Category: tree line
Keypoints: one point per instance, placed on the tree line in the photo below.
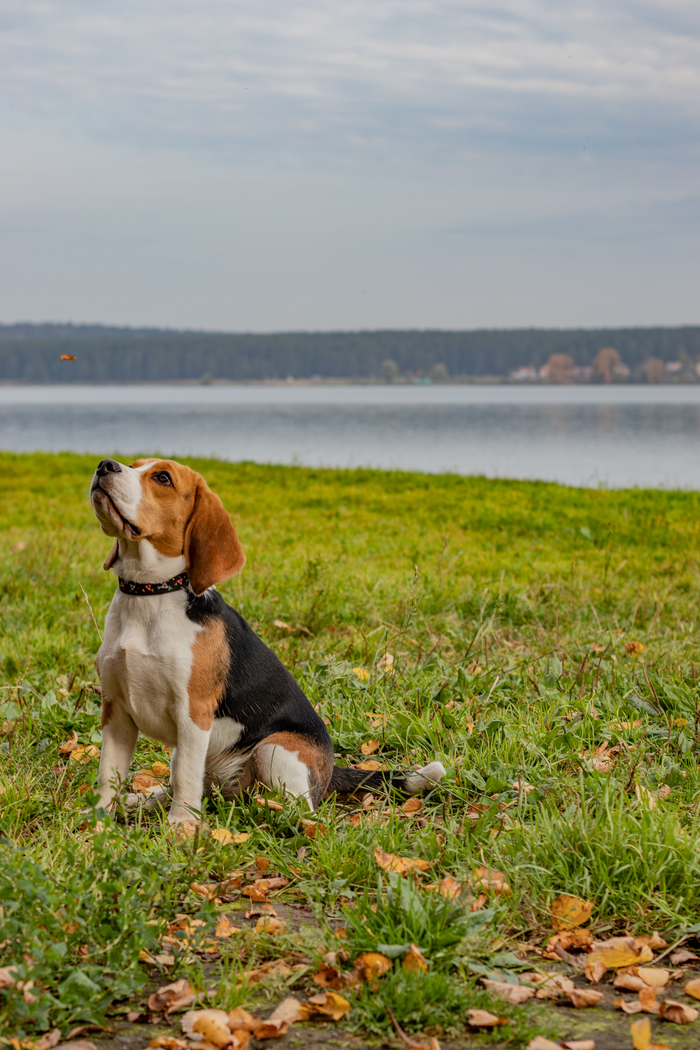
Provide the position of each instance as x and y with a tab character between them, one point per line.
32	353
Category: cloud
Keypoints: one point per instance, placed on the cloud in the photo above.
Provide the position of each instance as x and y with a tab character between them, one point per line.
356	75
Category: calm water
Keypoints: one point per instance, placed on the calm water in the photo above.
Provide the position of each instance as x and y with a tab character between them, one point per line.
647	436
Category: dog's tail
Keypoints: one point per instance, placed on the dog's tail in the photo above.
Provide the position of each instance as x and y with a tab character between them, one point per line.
349	781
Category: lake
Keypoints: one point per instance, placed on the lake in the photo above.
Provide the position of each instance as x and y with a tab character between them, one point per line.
579	435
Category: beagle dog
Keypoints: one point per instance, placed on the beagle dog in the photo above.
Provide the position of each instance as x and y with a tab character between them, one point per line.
180	665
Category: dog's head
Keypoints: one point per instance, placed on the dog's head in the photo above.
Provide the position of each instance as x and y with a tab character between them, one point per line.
172	507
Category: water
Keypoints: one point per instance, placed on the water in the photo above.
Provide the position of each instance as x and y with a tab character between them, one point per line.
617	436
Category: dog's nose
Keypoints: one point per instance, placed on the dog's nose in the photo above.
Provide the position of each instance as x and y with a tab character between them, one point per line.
108	466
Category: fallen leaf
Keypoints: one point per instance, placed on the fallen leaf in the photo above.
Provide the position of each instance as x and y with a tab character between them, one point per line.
645	796
578	1044
594	972
83	754
484	1019
655	941
327	1005
570	940
169	1042
627	725
693	988
282	625
225	928
568	911
629	982
412	805
372	965
641	1036
512	993
628	1006
647	997
69	745
414	961
681	956
369	747
239	1018
49	1040
276	1025
582	997
231	881
554	986
617	952
211	1025
171	997
223	836
208	890
370	766
633	648
76	1044
67	357
449	888
361	673
401	865
678	1013
270	925
312	828
654	976
330	976
270	803
144	781
492	881
540	1042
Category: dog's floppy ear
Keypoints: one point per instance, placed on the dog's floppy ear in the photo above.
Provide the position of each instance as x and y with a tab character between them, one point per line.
213	551
112	556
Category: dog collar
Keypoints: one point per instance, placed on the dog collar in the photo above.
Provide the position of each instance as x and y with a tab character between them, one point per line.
176	583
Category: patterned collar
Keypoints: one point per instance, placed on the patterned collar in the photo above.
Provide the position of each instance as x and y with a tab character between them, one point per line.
179	582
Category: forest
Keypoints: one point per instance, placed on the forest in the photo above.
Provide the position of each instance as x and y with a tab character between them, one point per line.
32	353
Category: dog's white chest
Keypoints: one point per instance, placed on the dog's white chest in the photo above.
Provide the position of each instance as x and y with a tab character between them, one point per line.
146	660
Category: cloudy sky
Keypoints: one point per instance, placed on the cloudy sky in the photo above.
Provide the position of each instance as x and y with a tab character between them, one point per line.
265	165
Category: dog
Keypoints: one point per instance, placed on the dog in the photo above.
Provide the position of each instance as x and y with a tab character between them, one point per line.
181	666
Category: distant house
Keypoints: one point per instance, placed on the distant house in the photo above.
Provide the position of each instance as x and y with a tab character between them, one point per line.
524	374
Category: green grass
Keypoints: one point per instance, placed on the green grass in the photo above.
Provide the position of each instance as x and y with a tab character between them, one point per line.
507	607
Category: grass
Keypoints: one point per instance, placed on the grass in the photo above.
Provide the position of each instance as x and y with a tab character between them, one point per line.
509	609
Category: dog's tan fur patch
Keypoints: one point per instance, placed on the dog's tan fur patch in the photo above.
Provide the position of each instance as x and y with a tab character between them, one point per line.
210	663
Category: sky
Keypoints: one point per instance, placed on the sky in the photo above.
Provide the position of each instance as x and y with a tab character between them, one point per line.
350	164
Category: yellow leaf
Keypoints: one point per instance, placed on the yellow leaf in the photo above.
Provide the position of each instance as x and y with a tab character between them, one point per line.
240	837
369	747
568	912
208	890
371	965
67	357
223	836
402	865
370	765
618	952
492	881
327	1005
361	672
484	1019
412	805
225	928
641	1033
143	781
633	648
269	924
414	961
210	1025
82	754
693	988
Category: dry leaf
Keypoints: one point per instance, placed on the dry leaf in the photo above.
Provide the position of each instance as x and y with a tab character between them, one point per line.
329	976
540	1042
412	805
629	982
633	648
645	796
654	976
369	747
655	941
693	988
682	956
594	972
372	965
269	924
211	1025
617	952
647	997
225	928
361	672
209	890
484	1019
554	986
326	1006
678	1013
628	1006
288	1012
240	1019
172	997
83	754
223	836
270	803
49	1040
169	1042
67	357
492	881
76	1044
582	997
512	993
578	1044
570	940
370	766
402	865
69	745
144	781
312	828
414	961
641	1036
240	837
568	912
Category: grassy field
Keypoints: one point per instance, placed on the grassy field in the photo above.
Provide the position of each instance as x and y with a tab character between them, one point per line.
510	629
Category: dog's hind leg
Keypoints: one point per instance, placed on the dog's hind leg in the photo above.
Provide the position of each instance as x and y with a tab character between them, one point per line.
299	765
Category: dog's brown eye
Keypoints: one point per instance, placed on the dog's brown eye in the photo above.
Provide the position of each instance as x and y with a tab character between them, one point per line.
163	478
